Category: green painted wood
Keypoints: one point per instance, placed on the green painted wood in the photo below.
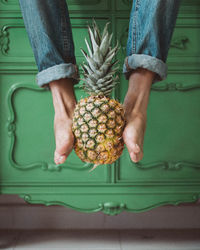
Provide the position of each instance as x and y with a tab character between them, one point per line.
170	170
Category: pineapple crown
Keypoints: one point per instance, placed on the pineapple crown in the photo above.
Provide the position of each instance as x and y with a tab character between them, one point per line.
99	74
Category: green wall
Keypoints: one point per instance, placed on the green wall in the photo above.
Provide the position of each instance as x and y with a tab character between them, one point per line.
170	170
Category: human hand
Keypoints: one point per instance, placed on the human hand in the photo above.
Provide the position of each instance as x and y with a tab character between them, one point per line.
133	135
135	105
64	102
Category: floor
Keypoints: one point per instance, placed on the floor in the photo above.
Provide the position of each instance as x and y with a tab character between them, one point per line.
101	239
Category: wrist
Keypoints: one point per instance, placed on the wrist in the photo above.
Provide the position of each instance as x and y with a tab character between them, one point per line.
136	99
63	86
63	95
140	80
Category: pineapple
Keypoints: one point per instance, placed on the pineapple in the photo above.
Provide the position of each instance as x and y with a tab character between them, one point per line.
98	120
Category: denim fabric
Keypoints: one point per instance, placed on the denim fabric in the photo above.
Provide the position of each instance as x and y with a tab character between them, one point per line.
48	26
150	30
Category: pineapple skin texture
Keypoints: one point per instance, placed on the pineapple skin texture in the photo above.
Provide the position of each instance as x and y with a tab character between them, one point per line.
98	124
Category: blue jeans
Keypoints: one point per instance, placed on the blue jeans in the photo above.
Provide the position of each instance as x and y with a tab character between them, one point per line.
48	26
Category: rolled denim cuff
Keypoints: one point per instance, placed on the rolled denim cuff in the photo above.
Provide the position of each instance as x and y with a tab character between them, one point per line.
56	72
145	61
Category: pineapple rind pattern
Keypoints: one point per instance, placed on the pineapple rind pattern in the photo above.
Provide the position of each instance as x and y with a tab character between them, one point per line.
102	143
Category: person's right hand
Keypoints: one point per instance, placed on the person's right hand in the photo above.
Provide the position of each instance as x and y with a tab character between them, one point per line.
135	105
64	102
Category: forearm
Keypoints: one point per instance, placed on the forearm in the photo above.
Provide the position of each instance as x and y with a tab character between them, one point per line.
64	98
137	97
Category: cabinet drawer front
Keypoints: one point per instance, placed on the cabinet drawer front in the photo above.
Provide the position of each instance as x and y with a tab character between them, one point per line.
27	137
172	139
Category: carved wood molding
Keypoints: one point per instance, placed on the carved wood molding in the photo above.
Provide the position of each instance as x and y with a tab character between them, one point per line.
4	40
110	208
174	87
168	165
4	1
113	208
85	2
4	37
179	42
11	127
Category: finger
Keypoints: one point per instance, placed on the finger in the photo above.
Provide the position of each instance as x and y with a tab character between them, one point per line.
134	157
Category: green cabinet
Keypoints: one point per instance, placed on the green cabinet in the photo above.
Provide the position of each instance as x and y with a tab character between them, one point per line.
170	170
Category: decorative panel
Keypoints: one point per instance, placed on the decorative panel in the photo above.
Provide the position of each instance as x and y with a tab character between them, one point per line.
172	137
31	140
14	42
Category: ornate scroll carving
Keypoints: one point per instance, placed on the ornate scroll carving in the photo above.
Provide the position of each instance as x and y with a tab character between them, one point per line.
4	40
179	42
11	126
174	87
9	2
4	1
112	208
115	208
4	37
168	165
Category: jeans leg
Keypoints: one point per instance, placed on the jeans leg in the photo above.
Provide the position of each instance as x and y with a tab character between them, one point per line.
150	30
48	26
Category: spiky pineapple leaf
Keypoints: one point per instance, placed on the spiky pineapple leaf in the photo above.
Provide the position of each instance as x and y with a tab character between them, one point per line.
92	39
88	47
105	45
105	30
97	34
99	71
